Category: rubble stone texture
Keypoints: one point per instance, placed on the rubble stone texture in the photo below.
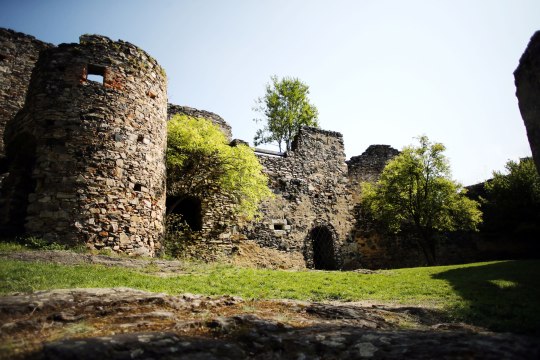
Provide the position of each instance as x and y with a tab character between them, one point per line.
368	166
86	158
527	79
18	55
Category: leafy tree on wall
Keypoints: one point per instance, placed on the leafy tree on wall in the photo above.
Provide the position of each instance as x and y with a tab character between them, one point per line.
200	162
415	191
286	109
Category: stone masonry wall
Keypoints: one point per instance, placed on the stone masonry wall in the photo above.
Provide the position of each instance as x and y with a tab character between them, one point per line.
18	55
196	113
96	171
311	192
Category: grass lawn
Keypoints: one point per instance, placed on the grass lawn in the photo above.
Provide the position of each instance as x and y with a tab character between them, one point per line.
503	296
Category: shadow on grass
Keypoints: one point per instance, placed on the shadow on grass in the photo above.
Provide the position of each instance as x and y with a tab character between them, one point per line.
502	296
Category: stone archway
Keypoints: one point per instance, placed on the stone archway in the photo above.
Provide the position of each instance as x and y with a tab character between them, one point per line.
189	207
322	242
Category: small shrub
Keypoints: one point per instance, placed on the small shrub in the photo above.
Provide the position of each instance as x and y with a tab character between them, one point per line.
178	239
37	243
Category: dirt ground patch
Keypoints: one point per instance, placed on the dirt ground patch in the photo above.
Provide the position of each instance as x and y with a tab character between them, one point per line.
250	254
153	266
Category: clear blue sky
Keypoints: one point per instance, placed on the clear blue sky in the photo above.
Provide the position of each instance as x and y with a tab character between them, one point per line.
380	72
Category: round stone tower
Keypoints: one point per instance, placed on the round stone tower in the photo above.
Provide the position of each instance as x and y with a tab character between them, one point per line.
87	152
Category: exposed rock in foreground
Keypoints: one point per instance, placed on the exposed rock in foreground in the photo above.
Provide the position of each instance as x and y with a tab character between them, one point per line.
124	323
527	78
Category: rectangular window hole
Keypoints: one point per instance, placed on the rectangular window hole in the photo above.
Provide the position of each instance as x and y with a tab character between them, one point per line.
95	78
96	73
137	187
279	226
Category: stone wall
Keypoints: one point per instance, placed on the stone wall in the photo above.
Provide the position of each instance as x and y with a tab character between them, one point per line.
86	158
196	113
212	212
311	211
18	55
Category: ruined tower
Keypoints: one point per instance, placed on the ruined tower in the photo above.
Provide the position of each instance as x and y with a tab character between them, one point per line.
86	153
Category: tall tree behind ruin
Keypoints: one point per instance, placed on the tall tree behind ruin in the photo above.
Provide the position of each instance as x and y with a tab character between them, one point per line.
286	109
415	191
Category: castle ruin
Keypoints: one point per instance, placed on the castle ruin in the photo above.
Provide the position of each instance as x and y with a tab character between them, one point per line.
83	161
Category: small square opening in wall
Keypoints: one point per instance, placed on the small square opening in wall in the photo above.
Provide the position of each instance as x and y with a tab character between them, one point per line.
96	73
279	226
137	187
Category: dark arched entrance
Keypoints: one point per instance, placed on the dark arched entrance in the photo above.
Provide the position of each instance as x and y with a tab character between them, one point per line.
18	185
323	248
189	207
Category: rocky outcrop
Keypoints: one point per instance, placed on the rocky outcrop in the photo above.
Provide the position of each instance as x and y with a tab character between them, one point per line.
123	323
527	78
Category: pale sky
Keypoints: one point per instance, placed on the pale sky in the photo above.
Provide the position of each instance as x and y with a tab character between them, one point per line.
379	72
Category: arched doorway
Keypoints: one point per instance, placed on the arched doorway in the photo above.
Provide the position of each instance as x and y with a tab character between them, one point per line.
18	185
189	207
323	248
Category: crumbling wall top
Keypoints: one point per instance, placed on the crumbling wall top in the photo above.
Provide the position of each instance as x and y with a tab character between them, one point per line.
368	166
173	109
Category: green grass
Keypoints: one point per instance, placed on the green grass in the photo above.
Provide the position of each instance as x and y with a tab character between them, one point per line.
503	296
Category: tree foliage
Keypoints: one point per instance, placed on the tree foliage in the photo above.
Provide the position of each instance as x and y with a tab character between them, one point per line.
415	191
286	109
513	198
200	162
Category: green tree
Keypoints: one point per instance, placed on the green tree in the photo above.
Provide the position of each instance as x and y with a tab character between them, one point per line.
415	192
286	109
512	201
200	162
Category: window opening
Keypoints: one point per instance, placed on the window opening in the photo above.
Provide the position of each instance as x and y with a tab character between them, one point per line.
96	73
